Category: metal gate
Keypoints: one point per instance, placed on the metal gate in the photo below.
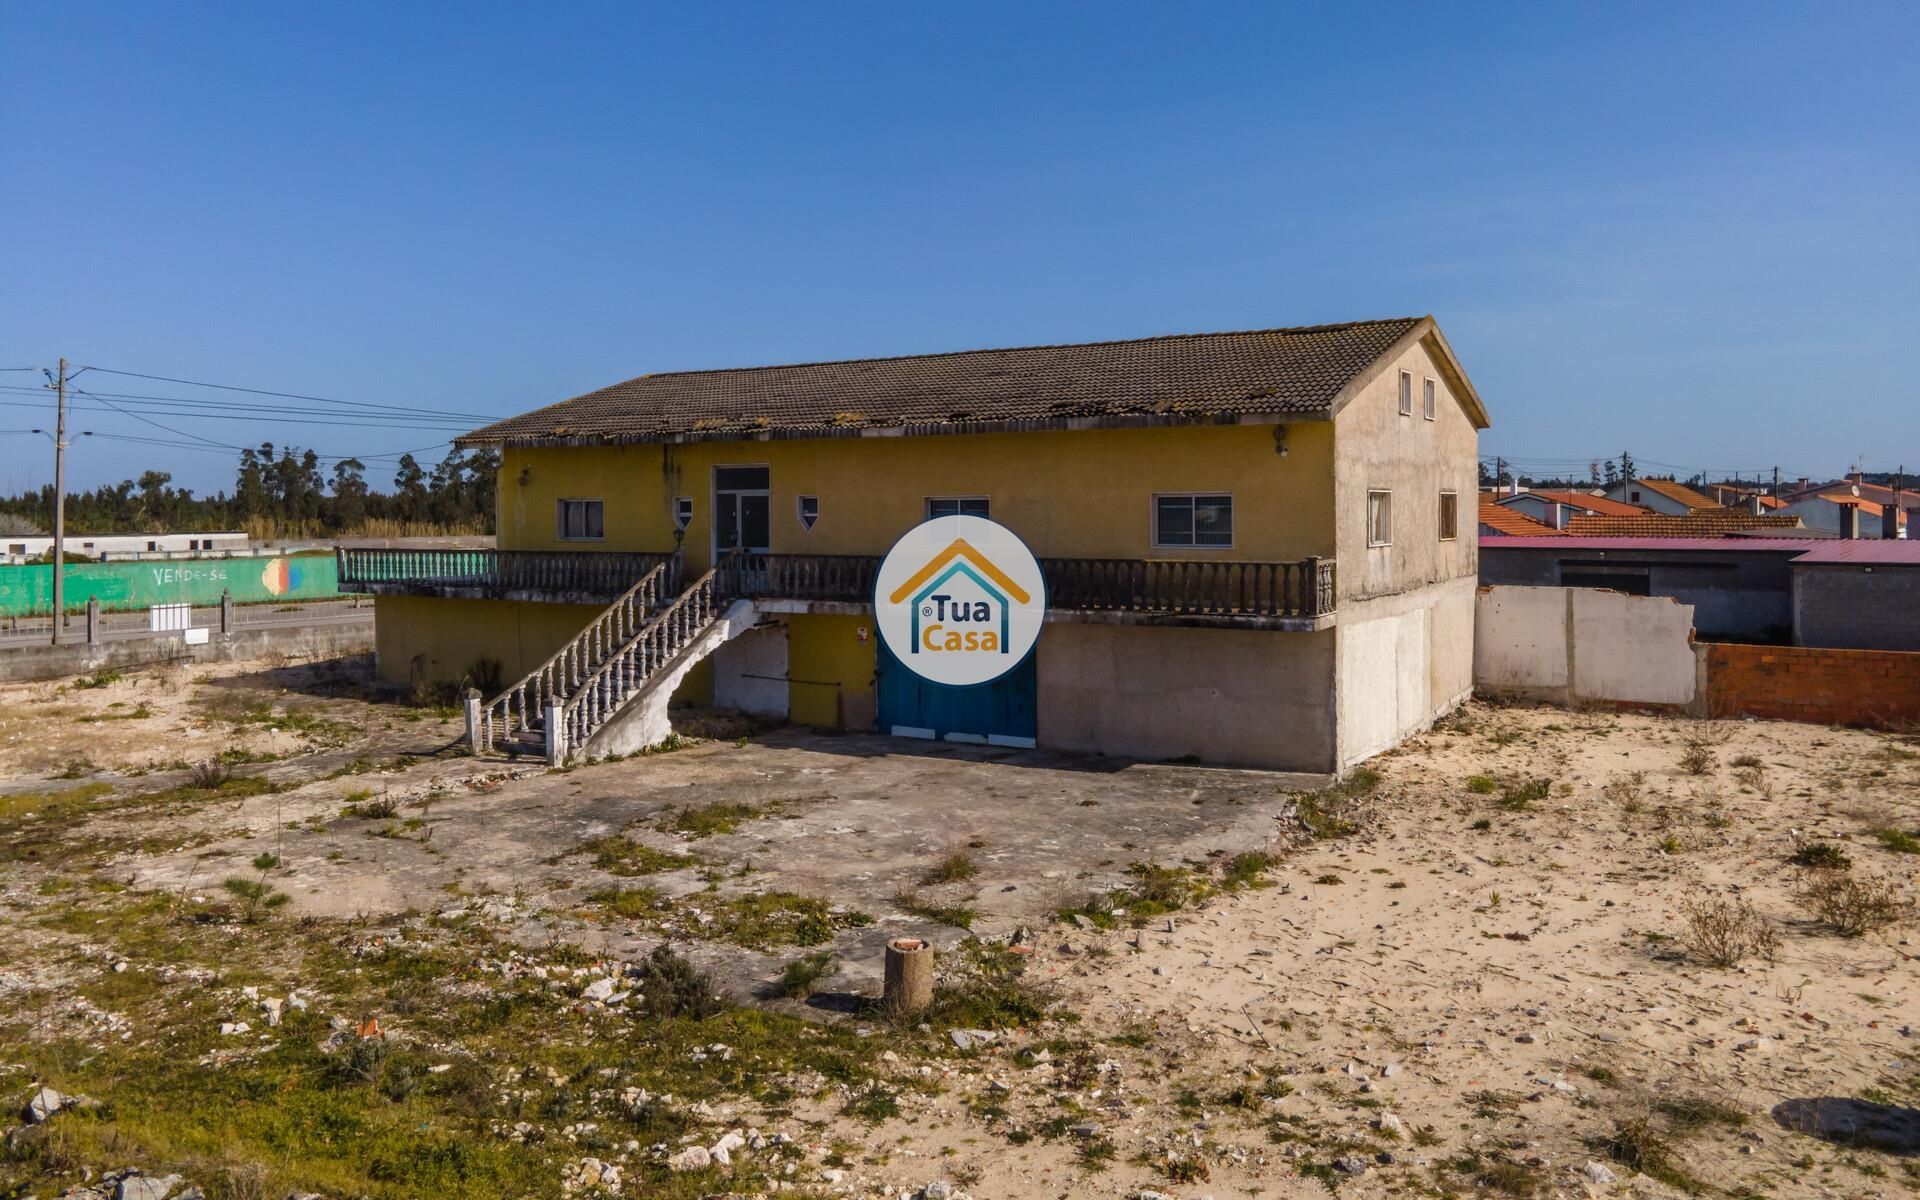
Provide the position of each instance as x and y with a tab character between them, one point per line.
1001	713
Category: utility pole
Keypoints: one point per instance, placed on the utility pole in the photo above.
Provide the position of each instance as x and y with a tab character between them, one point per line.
60	503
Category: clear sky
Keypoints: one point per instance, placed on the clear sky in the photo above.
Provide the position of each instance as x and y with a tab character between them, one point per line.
1685	230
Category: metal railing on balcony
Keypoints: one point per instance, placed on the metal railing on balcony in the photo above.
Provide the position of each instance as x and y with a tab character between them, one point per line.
1166	587
584	573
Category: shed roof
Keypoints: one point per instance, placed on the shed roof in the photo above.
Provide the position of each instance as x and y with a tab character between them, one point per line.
1183	379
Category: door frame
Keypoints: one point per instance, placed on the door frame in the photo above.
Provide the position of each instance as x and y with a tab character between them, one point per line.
713	494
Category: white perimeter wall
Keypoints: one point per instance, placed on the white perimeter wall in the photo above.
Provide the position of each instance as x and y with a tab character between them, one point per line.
1572	644
1403	660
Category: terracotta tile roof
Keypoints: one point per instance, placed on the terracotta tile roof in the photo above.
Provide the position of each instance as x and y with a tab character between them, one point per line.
1680	493
1718	522
1866	506
1508	523
1596	504
1772	502
1186	378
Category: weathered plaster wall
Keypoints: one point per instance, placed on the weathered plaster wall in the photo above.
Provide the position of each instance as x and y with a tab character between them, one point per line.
1404	660
832	670
1416	459
436	639
750	673
1227	697
1069	494
1585	644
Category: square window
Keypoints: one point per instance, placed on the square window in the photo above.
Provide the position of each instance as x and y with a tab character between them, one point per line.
1426	398
1379	518
1203	521
956	506
809	511
1449	516
582	520
1406	393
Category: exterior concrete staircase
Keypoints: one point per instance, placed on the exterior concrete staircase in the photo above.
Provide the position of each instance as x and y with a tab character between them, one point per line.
606	691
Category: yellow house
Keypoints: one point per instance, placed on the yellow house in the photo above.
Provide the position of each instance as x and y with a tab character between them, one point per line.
1253	547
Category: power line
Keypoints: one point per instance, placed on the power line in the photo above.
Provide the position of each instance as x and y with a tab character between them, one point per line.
227	387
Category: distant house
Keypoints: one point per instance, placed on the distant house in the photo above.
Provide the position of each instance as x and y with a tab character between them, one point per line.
1843	514
1662	495
1551	507
1501	520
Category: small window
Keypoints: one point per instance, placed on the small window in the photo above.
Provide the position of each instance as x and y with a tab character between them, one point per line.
1426	398
956	506
1406	393
682	511
1204	521
1379	518
582	520
1449	516
1636	497
809	511
153	545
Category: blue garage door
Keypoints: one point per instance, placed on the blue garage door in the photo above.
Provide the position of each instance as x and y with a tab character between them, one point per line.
1001	712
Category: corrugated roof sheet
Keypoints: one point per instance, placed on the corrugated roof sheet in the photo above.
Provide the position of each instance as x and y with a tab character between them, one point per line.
1189	377
1866	551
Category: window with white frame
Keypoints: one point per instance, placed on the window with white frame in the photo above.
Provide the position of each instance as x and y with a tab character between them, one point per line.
1426	398
1379	518
582	520
1449	516
956	506
682	511
1406	393
809	511
1193	521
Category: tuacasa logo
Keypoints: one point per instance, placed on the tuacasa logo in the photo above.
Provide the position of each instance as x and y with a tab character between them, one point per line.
960	600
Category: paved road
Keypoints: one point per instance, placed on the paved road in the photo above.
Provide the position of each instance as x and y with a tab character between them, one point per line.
121	627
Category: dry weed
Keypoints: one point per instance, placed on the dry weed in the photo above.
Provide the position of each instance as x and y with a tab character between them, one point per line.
1724	931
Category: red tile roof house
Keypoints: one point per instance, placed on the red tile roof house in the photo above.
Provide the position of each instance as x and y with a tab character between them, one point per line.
1841	513
1662	496
1551	507
1497	520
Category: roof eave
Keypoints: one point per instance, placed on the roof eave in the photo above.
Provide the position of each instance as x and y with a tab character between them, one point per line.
479	438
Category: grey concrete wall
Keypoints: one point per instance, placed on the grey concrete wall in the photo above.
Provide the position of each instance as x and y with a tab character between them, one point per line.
293	641
1848	607
1743	595
1250	698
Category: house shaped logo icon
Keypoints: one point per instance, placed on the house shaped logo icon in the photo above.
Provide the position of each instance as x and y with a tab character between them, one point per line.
960	600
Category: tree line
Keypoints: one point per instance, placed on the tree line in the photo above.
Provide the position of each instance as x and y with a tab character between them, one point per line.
281	491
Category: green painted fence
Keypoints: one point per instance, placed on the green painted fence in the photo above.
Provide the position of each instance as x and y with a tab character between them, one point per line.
28	590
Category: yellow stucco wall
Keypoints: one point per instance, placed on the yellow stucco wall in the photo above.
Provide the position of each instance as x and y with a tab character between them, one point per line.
831	670
445	636
1082	493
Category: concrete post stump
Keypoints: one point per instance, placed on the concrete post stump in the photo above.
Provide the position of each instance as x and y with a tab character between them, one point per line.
474	718
908	987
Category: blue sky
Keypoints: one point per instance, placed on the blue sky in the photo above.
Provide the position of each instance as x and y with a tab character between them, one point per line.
1684	231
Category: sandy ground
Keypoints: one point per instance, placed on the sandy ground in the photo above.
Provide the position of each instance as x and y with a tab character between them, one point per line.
1469	994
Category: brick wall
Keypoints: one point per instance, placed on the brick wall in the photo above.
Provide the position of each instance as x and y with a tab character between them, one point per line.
1876	688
